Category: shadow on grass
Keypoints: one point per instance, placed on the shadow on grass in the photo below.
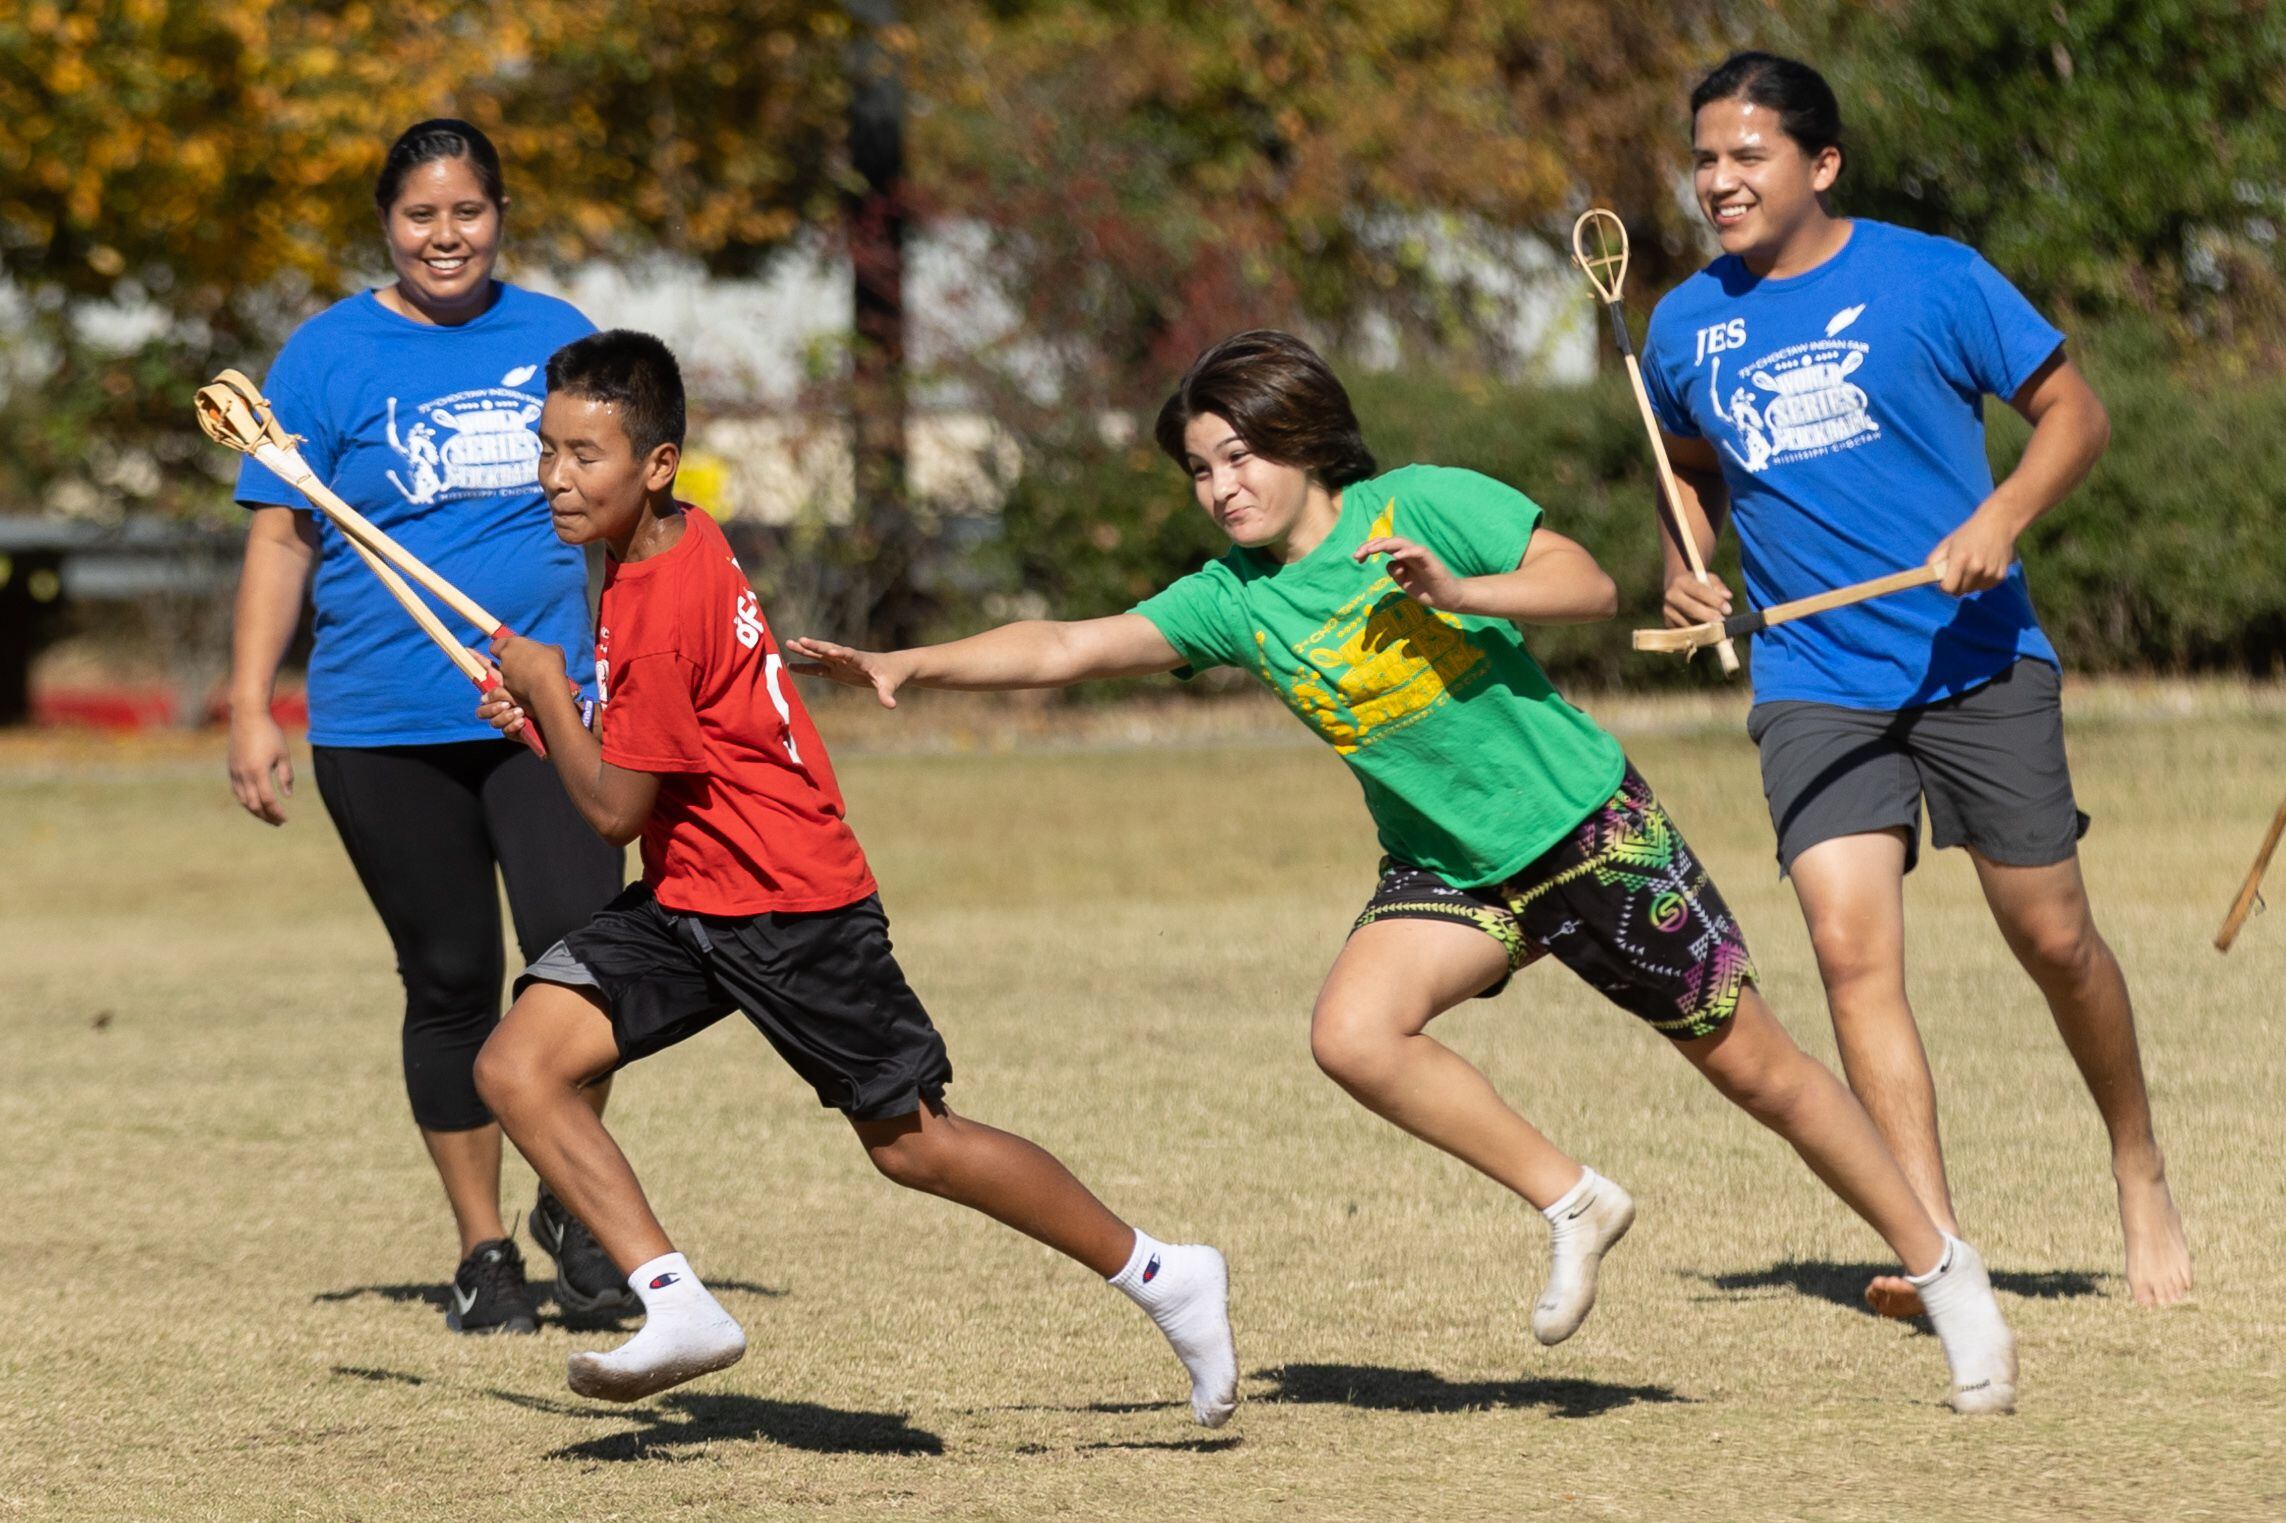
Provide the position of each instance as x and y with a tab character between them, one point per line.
1844	1283
379	1377
1177	1445
402	1295
543	1293
690	1418
1388	1390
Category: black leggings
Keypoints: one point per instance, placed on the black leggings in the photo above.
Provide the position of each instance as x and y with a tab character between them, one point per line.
425	827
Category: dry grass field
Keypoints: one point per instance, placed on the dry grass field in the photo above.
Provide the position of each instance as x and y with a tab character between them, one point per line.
227	1248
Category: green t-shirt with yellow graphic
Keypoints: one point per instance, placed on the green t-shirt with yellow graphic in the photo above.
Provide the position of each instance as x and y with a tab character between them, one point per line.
1472	764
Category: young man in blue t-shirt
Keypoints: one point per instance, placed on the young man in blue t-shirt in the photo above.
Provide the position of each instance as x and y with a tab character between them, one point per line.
1823	382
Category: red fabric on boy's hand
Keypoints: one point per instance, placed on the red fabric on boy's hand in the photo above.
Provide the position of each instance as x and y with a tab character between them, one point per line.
526	666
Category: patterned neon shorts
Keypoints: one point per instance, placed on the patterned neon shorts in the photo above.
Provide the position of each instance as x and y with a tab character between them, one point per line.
1622	901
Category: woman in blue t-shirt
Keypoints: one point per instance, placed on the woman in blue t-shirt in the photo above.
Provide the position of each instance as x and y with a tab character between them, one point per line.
416	402
1824	382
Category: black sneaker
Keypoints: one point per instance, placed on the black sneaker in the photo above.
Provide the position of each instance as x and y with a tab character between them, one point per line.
588	1284
487	1293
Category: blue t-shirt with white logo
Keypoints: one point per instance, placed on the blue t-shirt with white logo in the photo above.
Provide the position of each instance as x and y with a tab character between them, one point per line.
1847	406
432	433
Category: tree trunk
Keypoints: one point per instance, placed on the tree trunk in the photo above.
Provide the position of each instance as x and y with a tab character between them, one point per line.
887	541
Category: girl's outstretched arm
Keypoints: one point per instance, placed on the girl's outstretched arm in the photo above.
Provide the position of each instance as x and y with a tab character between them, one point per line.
1557	582
1033	653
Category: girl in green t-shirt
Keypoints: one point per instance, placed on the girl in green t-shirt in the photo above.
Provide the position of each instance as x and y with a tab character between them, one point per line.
1387	611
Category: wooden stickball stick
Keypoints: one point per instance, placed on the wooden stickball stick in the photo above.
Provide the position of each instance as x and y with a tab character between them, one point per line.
1691	636
233	411
1606	269
2251	889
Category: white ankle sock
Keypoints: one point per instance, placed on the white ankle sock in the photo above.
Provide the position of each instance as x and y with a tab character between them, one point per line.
685	1334
1185	1288
1979	1348
1582	1226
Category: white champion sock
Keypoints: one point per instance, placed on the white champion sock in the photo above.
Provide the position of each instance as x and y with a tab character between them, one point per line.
1979	1348
685	1334
1591	1216
1185	1288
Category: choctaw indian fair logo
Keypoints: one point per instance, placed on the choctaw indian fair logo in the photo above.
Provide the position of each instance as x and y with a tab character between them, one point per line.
469	444
1802	403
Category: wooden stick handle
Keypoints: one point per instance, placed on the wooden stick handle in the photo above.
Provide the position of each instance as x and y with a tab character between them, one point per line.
472	666
2248	891
1725	652
1842	597
290	465
1755	620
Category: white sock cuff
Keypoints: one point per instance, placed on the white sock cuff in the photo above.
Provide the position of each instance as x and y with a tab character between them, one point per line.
1925	1280
641	1281
1147	1248
1589	1178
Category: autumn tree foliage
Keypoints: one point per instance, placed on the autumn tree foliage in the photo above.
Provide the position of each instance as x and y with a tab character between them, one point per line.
209	167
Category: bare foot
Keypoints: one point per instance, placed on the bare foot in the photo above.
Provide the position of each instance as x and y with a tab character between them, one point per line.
2158	1256
1892	1295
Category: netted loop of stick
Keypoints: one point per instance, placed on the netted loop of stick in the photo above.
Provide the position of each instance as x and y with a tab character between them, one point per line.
233	411
1599	248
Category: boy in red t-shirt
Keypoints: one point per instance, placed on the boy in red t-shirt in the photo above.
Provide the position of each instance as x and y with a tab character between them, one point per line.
755	897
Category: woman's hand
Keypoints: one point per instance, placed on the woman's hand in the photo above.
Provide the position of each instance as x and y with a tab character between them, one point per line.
502	713
261	766
882	671
1417	572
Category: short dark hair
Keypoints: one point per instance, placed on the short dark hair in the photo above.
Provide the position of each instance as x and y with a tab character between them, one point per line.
631	370
1805	103
1281	398
440	137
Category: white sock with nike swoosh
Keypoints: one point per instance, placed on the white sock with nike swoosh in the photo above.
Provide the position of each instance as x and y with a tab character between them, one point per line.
1582	1225
1979	1348
685	1334
1185	1288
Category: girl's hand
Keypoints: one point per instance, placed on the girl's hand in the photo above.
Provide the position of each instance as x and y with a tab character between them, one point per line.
1417	572
884	672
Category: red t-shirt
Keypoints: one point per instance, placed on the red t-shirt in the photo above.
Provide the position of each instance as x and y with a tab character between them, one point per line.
749	817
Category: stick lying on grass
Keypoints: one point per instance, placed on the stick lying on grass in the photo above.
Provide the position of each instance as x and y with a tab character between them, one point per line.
1692	636
233	411
2250	892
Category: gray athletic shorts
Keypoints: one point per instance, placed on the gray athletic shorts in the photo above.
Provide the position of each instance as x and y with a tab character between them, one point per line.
1990	762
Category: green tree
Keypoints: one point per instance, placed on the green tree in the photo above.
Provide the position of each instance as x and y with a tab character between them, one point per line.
2109	155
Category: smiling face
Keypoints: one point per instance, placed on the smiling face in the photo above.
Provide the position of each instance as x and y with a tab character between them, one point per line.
1254	500
596	485
444	235
1755	184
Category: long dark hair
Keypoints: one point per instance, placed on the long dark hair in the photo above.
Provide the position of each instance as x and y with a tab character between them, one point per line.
1281	398
441	137
1799	94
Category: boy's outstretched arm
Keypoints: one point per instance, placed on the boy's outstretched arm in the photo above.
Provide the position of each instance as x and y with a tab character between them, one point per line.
1033	653
1557	582
613	800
